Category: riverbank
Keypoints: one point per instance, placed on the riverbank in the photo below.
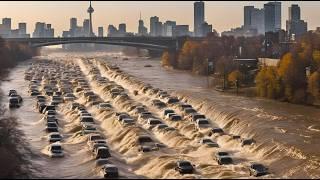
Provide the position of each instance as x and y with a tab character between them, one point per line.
13	160
13	146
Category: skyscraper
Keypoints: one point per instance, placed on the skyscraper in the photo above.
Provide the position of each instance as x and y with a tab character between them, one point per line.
100	31
198	17
206	28
294	12
181	30
153	25
73	23
257	20
22	28
159	29
112	31
248	11
295	26
49	32
272	16
43	30
142	30
7	25
39	30
278	23
7	22
168	28
86	27
122	28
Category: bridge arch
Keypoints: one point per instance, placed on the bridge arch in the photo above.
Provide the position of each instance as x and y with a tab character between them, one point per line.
147	46
145	42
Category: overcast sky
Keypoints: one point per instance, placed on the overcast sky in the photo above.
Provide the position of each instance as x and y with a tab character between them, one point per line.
223	15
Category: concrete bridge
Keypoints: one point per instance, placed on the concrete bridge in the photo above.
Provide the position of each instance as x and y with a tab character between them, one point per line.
149	43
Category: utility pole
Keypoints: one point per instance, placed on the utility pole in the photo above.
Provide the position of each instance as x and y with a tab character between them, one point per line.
224	77
237	85
208	72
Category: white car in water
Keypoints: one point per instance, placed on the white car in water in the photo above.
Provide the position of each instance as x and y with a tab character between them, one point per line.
55	150
202	123
54	137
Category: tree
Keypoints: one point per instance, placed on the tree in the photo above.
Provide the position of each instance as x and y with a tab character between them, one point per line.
268	83
315	64
314	85
185	59
292	71
224	65
235	76
168	59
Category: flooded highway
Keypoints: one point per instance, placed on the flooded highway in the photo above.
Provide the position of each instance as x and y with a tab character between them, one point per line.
282	137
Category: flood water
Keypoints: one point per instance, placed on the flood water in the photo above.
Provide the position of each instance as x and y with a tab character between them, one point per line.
286	136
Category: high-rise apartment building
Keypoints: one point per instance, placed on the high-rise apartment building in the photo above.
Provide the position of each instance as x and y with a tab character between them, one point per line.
198	18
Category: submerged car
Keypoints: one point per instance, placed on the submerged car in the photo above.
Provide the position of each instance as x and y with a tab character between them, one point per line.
110	171
55	150
12	91
145	149
166	111
102	152
175	117
69	97
127	122
209	142
52	127
50	113
17	96
245	142
145	115
86	119
94	145
88	128
257	169
195	116
218	131
223	158
104	106
14	102
184	167
152	122
54	137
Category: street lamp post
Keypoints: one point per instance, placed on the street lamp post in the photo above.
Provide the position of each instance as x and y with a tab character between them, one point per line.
207	72
224	77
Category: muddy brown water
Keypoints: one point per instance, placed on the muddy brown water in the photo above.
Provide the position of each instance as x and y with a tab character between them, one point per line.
286	135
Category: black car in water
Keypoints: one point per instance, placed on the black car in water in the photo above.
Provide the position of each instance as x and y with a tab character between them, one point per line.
184	167
110	171
14	102
257	169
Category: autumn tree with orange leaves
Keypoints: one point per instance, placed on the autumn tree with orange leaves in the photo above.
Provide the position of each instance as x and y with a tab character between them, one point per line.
289	80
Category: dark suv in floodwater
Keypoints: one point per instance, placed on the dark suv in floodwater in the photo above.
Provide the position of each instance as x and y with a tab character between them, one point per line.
184	167
257	169
14	102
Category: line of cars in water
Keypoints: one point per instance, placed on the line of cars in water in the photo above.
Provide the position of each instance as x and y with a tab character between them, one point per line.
163	101
55	81
72	81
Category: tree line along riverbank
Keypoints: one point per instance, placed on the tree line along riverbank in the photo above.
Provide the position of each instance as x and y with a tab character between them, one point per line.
295	79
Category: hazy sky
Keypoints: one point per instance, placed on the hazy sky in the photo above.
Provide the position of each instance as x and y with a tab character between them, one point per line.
223	15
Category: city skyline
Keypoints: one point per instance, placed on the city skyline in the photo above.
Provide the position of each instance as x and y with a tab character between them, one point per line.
100	17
